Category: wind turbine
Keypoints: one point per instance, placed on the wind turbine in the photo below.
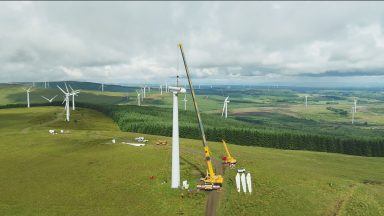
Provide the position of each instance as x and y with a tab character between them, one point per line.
355	105
66	100
45	84
49	100
175	138
138	98
306	101
73	93
185	101
225	107
143	89
28	90
102	87
353	115
161	89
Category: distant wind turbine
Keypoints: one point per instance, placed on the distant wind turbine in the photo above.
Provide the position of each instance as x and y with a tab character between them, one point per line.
185	101
225	108
144	91
66	101
138	98
28	91
49	100
73	93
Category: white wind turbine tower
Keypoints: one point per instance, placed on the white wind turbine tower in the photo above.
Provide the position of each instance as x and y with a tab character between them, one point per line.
45	84
306	101
175	137
49	100
185	101
143	89
28	90
355	105
353	115
66	100
225	107
161	89
166	87
102	87
73	93
138	98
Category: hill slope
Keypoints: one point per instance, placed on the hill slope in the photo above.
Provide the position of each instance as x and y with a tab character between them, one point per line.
82	173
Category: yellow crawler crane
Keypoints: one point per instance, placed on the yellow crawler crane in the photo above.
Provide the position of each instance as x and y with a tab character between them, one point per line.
228	160
211	181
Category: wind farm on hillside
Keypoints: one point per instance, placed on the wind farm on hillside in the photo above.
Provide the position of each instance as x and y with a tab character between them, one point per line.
168	108
267	116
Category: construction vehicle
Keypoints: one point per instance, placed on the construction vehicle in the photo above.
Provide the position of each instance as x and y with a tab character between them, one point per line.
228	160
211	181
161	142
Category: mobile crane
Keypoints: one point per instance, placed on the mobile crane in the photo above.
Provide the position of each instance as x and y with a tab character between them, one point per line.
228	160
211	181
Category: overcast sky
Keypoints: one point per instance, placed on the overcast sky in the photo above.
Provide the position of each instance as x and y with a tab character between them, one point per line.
331	43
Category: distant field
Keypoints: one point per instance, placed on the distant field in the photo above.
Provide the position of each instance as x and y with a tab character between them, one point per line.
82	173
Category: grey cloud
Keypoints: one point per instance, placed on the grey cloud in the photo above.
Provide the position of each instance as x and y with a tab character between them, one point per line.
136	41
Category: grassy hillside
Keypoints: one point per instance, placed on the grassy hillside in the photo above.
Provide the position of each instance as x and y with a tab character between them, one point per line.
82	173
14	94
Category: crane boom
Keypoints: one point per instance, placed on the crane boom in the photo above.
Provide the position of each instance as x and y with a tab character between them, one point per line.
228	160
226	148
193	97
212	181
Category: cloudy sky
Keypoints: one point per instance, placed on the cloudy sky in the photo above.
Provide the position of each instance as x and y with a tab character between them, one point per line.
307	43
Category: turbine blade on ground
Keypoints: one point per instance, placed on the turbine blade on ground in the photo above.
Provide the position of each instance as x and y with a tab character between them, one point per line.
238	182
249	182
243	182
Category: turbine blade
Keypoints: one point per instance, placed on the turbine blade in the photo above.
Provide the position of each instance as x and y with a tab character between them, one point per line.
62	90
45	98
71	88
54	97
66	87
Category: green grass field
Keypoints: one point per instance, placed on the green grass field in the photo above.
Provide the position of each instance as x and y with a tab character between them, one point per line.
82	173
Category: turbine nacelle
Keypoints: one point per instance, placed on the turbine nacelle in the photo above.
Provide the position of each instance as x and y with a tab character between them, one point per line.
177	89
